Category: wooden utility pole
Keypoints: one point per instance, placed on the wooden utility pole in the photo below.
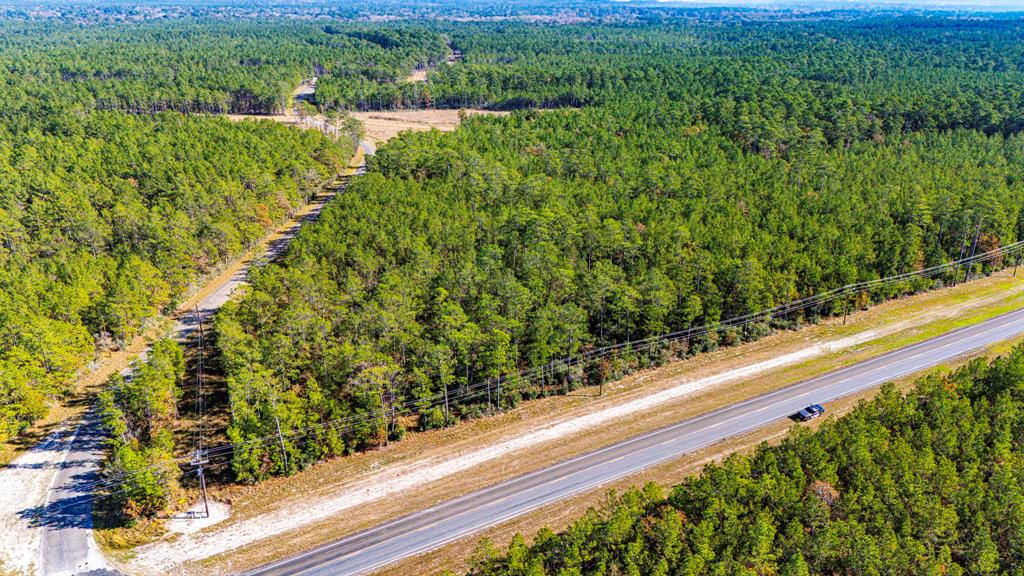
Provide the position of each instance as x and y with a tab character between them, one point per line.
974	248
198	459
198	440
280	437
392	400
445	386
383	417
959	260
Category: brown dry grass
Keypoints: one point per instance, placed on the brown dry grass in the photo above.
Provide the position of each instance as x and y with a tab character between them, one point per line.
419	75
457	556
383	126
963	304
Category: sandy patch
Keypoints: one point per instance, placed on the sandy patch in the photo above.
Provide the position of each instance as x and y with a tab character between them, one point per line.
383	126
26	482
419	75
194	519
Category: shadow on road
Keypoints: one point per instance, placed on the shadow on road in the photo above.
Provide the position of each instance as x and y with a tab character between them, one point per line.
70	505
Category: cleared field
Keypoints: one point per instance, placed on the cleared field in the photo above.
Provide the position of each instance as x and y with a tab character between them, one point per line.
431	467
383	126
419	75
379	127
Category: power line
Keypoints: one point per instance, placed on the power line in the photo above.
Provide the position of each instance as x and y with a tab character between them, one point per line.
541	371
199	456
637	345
224	451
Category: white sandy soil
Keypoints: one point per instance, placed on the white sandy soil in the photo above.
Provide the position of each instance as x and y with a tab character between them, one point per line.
394	480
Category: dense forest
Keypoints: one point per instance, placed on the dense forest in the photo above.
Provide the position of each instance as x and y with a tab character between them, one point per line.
110	213
927	483
768	84
703	171
514	241
111	219
239	66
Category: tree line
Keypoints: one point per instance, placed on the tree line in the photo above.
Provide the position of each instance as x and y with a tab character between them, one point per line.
195	65
924	483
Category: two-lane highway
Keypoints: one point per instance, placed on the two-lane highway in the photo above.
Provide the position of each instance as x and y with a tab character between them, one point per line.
375	548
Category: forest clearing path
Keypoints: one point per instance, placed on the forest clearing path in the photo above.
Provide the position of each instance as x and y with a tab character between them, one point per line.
46	495
379	125
420	74
354	493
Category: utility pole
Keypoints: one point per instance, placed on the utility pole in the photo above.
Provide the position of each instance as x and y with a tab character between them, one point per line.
199	385
846	312
445	386
974	248
959	260
280	437
383	411
199	456
198	459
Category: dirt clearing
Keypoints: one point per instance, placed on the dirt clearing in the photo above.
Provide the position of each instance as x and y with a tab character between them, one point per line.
383	126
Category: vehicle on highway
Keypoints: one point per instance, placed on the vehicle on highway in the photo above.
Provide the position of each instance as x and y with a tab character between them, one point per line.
810	413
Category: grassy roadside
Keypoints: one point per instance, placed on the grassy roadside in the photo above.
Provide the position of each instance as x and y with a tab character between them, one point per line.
458	556
905	321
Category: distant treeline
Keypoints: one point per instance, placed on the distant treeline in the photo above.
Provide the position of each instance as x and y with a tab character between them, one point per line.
766	84
234	66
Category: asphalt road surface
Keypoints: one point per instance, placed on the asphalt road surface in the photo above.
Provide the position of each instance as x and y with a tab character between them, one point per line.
66	543
66	519
375	548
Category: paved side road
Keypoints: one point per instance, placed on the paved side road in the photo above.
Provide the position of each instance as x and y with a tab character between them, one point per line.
373	549
66	520
66	545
